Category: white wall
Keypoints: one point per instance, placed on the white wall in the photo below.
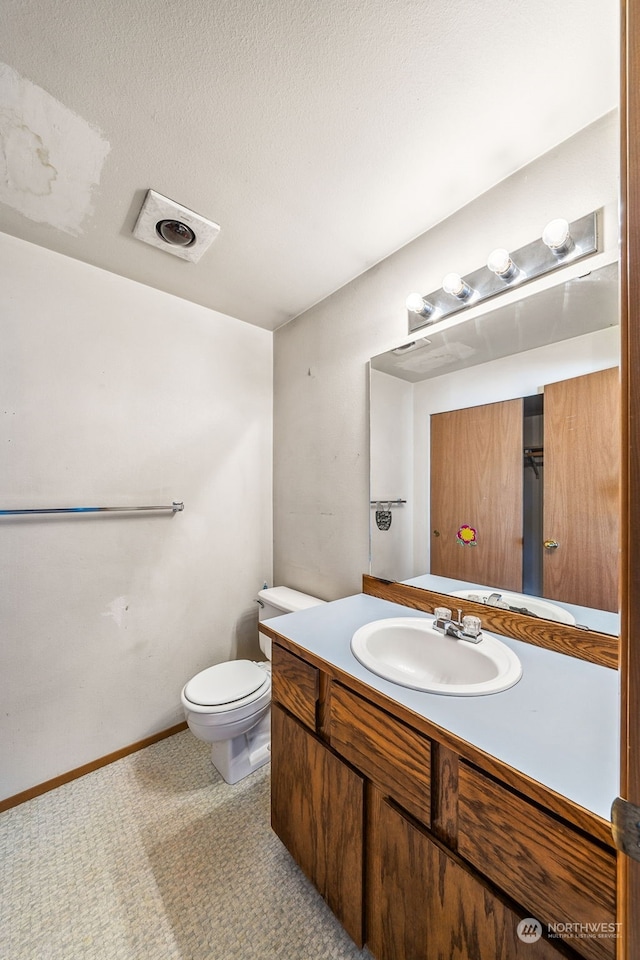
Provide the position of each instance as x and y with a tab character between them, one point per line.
114	393
392	439
321	456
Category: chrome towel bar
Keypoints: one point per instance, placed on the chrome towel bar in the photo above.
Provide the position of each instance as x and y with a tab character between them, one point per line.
175	507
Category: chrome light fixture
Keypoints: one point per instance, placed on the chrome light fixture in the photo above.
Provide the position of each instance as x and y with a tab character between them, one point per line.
561	243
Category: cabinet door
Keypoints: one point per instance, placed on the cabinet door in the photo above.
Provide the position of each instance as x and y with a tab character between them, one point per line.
476	481
563	877
423	905
581	489
317	810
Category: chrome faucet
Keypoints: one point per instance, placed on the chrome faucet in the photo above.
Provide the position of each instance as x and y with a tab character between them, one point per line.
456	628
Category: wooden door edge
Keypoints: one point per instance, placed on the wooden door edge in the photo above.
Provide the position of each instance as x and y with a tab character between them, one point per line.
629	870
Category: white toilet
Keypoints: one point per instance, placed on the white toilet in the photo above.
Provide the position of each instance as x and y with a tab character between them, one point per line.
228	705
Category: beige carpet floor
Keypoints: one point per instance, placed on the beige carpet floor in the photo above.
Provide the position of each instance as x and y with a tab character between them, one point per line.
155	857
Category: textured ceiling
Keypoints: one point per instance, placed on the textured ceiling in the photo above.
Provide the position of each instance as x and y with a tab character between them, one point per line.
321	135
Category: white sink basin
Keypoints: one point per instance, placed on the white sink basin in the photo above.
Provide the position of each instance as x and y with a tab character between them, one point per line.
408	651
520	602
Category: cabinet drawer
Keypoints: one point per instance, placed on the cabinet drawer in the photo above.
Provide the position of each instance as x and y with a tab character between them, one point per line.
394	757
554	871
294	684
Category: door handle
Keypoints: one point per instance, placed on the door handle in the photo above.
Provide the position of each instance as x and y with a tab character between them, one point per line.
551	544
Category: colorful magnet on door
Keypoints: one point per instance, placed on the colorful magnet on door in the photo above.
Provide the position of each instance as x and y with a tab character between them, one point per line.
467	536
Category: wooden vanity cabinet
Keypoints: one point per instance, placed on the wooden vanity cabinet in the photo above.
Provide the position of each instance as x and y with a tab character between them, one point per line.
420	854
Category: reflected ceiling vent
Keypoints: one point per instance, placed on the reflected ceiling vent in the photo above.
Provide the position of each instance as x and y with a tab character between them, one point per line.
174	228
408	347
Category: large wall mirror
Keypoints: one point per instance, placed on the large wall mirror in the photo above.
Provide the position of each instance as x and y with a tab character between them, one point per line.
494	456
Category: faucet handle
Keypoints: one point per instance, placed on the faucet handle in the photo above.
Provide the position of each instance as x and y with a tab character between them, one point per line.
471	626
442	613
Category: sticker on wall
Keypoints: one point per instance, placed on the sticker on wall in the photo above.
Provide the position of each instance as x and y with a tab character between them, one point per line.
383	519
467	536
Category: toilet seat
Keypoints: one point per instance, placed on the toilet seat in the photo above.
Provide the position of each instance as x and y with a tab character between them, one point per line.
227	686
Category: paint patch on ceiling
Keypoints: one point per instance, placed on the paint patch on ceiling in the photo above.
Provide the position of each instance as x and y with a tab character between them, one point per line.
50	158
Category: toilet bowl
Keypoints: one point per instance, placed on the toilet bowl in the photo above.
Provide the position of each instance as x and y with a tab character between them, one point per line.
229	705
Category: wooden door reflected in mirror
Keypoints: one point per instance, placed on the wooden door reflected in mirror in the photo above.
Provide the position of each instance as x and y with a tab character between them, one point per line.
476	494
582	489
480	508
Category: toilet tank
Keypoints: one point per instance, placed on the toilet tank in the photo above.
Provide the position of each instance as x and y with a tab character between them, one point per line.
276	601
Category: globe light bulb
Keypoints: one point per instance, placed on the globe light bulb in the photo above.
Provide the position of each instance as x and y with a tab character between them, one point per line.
454	285
499	262
557	236
416	303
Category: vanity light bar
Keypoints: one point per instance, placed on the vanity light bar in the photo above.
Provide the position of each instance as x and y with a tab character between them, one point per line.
561	243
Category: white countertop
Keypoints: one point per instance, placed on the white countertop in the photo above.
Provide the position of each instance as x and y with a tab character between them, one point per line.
558	725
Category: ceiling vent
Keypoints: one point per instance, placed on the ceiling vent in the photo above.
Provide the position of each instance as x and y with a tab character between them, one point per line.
173	228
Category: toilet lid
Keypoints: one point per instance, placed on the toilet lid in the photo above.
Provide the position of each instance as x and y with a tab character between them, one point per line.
225	683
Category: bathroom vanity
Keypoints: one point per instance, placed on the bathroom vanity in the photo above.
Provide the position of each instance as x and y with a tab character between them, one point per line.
433	825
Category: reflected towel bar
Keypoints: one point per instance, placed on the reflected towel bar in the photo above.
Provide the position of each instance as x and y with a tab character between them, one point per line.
175	507
391	503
